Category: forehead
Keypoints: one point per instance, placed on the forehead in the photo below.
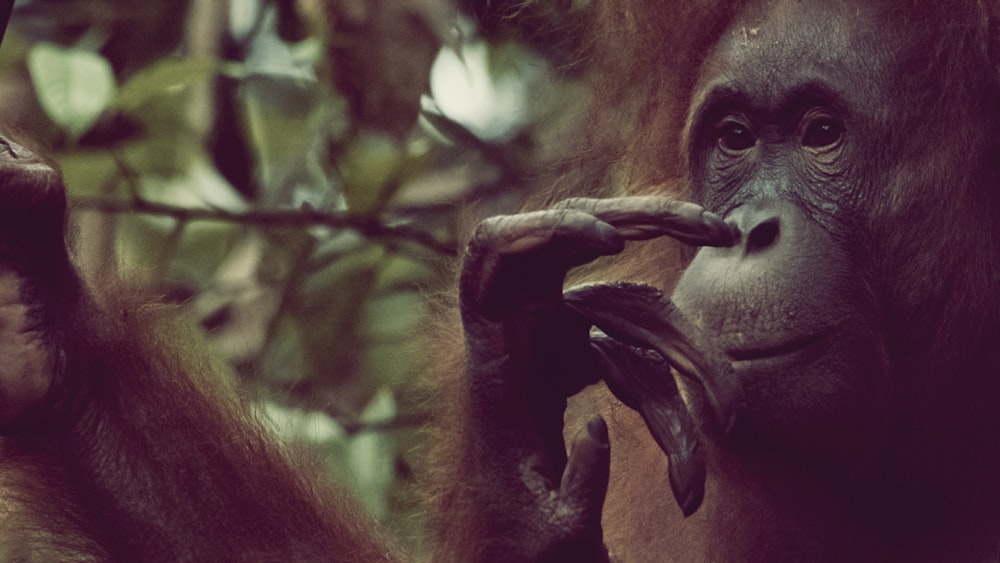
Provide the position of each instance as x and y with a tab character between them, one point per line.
775	47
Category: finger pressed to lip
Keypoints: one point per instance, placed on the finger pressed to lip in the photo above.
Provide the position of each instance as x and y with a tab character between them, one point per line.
639	315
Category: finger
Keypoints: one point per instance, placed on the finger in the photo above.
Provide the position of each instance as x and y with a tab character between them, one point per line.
687	464
525	257
645	217
526	351
639	315
585	479
641	379
615	357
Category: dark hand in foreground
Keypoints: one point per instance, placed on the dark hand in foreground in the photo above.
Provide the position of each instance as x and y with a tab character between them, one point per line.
529	348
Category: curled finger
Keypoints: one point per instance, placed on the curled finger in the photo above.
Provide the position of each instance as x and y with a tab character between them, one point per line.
526	256
642	380
639	315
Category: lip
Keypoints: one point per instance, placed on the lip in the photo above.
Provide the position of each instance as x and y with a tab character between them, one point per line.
799	350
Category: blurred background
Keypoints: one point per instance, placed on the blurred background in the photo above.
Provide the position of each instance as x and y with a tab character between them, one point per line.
296	174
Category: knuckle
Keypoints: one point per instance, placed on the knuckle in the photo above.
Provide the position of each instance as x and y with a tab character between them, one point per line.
584	204
486	232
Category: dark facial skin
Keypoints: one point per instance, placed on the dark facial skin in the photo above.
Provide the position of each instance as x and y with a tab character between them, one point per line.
781	150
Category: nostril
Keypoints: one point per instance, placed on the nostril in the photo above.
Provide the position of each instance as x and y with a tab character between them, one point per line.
763	235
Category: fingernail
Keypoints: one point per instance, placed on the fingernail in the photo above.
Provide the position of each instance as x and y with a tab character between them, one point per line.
598	430
608	234
722	233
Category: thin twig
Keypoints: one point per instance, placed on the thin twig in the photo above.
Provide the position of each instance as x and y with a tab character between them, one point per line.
370	228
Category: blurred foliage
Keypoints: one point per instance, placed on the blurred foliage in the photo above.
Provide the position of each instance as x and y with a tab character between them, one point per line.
292	172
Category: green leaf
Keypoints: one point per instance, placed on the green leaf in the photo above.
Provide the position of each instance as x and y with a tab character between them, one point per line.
200	185
381	408
401	271
392	327
90	173
163	153
369	167
370	460
73	85
166	77
371	456
296	424
138	240
328	309
203	246
283	129
396	316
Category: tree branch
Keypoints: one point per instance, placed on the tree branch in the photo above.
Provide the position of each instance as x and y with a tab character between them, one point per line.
370	228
